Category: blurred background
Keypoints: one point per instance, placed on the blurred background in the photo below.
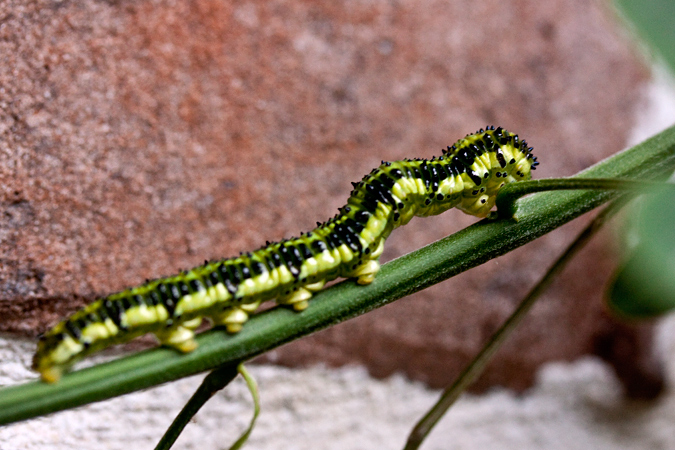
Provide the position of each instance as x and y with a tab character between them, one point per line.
142	137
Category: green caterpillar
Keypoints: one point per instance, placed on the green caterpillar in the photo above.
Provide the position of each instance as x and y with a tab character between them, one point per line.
468	175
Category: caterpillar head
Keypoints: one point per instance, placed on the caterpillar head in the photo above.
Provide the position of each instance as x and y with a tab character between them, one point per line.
478	205
479	199
523	168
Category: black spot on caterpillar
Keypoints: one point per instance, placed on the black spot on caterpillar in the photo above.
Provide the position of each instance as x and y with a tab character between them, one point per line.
468	176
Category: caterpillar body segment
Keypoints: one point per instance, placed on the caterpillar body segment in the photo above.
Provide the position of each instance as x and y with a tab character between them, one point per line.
468	175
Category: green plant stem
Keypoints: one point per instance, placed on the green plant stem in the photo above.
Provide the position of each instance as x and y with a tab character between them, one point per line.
212	383
506	200
476	367
537	215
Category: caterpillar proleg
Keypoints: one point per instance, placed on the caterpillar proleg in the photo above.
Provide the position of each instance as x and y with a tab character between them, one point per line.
468	175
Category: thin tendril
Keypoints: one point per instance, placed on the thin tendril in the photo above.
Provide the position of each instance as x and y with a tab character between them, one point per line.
212	383
476	367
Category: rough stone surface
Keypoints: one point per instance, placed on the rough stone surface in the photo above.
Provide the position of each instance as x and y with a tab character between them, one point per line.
577	405
141	137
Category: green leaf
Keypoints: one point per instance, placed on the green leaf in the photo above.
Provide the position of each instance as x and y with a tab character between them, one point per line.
645	286
654	21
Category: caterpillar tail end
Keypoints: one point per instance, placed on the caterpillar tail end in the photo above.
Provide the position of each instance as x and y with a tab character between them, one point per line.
55	353
49	369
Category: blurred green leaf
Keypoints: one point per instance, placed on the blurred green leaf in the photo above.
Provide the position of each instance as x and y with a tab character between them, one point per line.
645	286
654	21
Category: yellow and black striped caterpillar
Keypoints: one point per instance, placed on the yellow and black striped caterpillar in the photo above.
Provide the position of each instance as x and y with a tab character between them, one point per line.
468	175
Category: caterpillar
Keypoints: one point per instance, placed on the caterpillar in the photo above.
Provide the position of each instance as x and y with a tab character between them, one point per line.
468	175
